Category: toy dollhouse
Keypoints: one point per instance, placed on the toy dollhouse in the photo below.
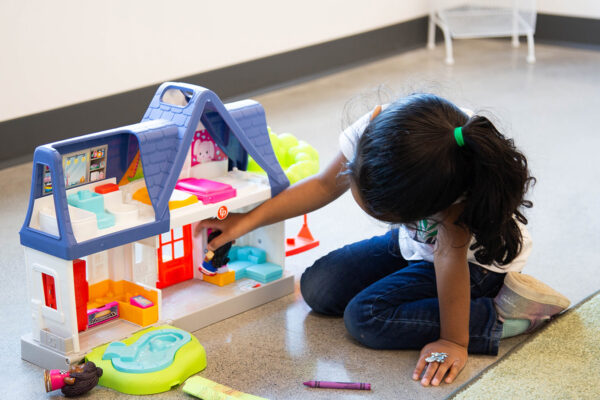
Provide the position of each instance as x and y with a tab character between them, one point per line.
108	236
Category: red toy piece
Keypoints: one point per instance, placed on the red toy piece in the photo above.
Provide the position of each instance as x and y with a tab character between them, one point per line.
49	290
302	242
82	294
106	188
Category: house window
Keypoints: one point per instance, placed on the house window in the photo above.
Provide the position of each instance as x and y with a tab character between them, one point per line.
171	244
49	290
46	181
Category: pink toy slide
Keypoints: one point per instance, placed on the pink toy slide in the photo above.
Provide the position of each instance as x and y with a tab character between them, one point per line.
207	191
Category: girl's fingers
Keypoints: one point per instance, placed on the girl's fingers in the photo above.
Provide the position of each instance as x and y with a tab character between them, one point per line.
429	373
205	223
439	375
217	242
453	372
210	223
419	368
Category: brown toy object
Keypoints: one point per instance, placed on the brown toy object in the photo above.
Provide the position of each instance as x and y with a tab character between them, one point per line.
82	378
79	379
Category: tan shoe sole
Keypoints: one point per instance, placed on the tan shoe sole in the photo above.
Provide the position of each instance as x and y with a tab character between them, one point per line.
532	289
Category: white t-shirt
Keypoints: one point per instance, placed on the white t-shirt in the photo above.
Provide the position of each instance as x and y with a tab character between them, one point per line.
418	243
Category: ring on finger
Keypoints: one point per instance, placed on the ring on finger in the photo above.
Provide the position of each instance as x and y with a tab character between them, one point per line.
436	357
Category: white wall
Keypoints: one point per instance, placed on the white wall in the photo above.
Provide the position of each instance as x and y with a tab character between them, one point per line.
62	52
574	8
56	53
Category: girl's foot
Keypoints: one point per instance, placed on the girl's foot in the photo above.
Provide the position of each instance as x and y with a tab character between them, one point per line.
524	297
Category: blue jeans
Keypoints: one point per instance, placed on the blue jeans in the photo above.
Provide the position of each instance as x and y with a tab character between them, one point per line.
390	303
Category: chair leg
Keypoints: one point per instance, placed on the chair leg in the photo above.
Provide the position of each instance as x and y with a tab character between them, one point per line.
448	40
431	32
530	48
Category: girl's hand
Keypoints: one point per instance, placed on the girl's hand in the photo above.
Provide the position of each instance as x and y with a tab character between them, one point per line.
232	227
434	372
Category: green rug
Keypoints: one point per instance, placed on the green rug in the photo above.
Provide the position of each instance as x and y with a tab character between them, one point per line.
561	361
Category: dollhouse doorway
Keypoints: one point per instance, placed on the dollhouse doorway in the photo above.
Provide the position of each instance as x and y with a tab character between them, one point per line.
175	260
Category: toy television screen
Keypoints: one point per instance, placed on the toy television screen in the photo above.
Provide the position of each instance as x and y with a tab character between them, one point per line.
85	166
76	169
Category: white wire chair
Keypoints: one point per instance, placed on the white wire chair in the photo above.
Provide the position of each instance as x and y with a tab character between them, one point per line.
482	18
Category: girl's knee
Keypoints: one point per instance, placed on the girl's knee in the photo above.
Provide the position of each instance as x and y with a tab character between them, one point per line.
372	327
308	290
315	287
359	323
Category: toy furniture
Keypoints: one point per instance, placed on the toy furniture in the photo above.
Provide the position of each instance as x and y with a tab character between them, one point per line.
251	262
106	202
207	191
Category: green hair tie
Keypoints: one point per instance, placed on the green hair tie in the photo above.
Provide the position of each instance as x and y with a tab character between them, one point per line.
458	136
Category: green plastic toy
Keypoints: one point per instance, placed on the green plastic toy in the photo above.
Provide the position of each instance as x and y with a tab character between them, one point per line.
206	389
149	350
297	158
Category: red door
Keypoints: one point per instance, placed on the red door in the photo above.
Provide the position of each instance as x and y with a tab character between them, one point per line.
82	294
175	260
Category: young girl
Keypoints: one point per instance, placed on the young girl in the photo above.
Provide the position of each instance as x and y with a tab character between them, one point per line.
445	280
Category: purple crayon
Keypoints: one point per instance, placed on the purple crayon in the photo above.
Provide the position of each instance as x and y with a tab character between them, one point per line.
338	385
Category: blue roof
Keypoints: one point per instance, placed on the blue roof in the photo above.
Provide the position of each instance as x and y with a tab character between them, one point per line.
164	137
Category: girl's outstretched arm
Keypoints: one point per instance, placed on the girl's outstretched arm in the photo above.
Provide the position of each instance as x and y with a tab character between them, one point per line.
305	196
454	294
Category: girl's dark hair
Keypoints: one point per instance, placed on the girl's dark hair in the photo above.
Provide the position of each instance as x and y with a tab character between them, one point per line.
408	166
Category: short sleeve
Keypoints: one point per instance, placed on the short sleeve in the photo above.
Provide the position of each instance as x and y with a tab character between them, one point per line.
349	136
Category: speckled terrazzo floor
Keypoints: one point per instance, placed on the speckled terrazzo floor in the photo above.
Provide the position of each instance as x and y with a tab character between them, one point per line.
550	108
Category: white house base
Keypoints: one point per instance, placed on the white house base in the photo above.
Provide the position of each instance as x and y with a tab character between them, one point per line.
219	308
207	304
44	357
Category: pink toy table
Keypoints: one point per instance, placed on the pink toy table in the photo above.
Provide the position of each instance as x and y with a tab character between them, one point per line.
207	191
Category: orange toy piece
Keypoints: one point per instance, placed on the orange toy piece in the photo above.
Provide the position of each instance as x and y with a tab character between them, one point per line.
121	291
181	199
141	195
178	198
220	279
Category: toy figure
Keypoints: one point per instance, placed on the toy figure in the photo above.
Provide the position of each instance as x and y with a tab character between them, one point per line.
79	379
215	260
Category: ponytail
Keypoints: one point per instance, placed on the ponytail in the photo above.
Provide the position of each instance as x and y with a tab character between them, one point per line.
499	179
411	163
